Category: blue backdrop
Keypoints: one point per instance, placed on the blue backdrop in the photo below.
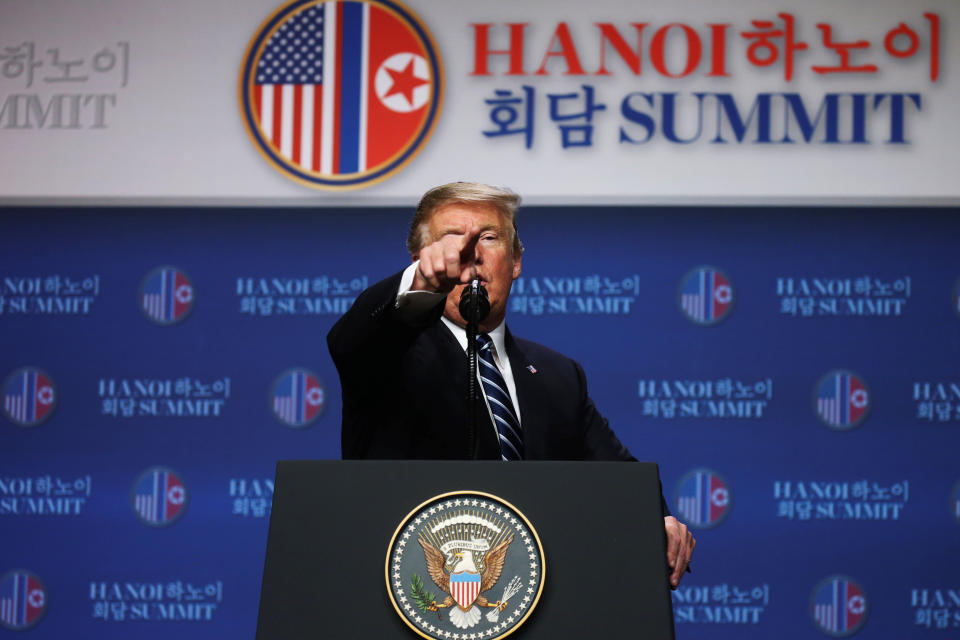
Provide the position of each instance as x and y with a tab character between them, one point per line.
806	420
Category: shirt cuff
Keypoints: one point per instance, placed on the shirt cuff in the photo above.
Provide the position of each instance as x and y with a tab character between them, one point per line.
414	305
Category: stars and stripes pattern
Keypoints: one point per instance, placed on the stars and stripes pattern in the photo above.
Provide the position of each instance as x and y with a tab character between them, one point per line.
464	588
298	398
842	399
28	397
159	496
702	498
839	606
321	83
498	401
706	295
167	295
22	600
289	93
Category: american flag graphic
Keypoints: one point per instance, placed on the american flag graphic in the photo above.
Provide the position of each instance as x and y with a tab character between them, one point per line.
706	295
341	89
167	295
298	398
839	605
22	600
702	498
465	587
29	397
842	399
159	496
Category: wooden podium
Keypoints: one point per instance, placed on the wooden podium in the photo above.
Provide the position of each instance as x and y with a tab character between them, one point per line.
600	525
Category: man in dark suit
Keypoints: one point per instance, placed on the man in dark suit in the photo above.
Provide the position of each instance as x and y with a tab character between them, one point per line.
400	352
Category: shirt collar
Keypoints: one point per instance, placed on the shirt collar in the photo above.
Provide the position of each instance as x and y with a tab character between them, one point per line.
498	335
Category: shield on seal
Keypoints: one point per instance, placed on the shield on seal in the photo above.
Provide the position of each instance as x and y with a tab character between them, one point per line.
465	587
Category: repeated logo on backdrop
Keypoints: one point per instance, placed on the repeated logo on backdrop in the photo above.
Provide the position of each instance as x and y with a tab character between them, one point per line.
838	606
166	295
298	398
706	295
955	501
23	600
702	499
155	600
159	497
341	94
842	400
29	397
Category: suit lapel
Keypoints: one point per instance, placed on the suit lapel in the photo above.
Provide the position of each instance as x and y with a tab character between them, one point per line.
454	381
530	397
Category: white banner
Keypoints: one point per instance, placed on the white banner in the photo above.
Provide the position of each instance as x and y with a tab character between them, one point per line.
566	102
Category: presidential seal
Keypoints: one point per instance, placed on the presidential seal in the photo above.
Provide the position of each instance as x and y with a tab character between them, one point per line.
465	565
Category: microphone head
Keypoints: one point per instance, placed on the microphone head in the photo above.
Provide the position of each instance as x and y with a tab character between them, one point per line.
474	302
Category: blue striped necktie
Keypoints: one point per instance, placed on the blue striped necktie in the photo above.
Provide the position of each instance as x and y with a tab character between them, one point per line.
498	399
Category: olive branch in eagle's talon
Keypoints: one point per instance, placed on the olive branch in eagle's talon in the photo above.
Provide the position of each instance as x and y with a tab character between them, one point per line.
424	600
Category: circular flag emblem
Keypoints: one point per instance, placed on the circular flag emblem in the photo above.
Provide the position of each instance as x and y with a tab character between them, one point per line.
702	499
842	400
838	606
706	296
298	398
465	564
341	94
29	397
159	497
166	295
955	501
23	600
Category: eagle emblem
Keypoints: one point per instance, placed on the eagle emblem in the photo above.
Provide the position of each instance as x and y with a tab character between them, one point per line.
464	569
482	555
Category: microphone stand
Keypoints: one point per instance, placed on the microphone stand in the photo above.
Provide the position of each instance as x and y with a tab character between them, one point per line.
472	383
474	307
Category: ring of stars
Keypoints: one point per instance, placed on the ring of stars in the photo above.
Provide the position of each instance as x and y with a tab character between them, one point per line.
487	508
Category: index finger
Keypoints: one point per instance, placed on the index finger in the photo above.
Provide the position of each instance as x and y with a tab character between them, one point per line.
469	239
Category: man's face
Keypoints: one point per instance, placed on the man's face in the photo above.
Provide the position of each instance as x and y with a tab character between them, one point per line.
496	265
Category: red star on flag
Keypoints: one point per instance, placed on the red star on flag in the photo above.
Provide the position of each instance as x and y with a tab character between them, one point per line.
404	82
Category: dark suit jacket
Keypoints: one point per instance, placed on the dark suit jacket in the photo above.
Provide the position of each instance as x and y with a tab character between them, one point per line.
404	390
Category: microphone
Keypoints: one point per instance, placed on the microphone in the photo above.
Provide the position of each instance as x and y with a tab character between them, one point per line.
474	307
474	302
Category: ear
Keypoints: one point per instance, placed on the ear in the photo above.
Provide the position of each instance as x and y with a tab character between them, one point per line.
517	264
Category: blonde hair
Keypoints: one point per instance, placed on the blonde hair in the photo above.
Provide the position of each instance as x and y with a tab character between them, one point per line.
505	201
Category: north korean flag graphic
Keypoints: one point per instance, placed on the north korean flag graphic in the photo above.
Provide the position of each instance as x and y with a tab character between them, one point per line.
465	587
167	295
23	600
706	295
341	94
159	497
839	606
842	400
28	397
703	498
298	398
